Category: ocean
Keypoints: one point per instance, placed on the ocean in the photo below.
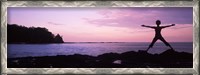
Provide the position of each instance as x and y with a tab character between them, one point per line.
91	48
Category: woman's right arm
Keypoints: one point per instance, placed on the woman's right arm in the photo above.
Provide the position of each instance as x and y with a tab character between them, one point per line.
147	26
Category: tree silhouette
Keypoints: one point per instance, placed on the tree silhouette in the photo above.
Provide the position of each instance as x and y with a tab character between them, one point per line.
22	34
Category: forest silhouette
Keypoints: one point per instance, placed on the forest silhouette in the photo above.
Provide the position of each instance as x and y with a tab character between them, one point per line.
21	34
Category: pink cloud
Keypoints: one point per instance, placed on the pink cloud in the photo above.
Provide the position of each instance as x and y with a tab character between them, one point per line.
53	23
134	18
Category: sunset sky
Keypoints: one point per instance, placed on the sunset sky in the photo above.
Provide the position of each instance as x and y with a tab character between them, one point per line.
101	24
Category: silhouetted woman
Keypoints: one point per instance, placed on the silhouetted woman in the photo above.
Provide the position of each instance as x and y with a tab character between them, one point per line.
158	35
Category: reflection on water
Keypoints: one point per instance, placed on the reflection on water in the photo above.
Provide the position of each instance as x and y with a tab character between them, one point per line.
94	49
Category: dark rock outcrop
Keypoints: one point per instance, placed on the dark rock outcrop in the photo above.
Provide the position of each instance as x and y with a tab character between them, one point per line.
131	59
58	39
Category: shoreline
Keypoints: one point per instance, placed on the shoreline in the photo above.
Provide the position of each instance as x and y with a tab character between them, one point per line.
130	59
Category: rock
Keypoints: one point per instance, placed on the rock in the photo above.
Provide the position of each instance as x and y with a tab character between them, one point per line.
131	59
58	39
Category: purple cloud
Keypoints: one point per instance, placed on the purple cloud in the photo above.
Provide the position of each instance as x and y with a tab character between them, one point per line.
134	17
52	23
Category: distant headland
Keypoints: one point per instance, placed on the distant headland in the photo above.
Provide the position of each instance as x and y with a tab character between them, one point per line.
31	35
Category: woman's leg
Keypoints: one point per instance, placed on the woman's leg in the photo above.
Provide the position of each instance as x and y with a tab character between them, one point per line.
152	43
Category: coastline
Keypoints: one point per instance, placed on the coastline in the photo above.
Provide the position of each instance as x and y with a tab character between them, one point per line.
130	59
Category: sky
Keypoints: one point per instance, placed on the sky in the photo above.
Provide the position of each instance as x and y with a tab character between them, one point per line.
107	24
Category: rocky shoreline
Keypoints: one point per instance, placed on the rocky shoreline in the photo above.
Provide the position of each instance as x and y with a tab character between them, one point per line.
131	59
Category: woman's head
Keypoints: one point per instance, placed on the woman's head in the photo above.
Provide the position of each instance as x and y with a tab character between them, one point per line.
158	22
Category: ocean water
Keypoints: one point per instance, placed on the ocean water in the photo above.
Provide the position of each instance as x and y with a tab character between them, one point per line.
93	49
